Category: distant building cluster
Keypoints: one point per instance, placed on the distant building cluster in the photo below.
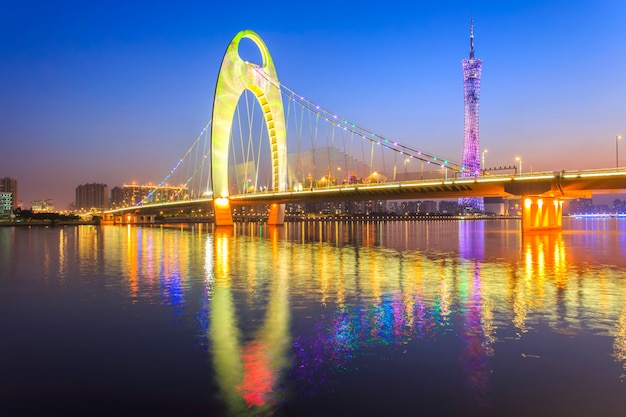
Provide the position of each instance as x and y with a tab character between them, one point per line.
134	194
42	206
497	206
90	197
9	202
584	206
95	197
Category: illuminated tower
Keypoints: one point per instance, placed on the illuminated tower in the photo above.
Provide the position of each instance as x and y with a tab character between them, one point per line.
472	69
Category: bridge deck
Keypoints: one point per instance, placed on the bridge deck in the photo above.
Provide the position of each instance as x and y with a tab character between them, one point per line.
561	184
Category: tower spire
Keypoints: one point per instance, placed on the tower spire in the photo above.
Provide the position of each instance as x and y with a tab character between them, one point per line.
472	70
471	55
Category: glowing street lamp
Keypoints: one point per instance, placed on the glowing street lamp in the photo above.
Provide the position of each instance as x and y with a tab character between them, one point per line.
519	160
617	138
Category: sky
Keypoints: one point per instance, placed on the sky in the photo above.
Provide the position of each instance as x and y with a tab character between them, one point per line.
115	92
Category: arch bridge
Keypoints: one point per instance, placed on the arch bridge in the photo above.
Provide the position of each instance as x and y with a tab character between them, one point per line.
392	172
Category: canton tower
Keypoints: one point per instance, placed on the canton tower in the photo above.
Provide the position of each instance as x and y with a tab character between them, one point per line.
472	70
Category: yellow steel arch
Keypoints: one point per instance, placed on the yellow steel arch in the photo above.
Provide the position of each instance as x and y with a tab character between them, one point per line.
236	76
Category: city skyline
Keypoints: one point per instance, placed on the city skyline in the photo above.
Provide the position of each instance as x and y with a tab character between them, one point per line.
116	93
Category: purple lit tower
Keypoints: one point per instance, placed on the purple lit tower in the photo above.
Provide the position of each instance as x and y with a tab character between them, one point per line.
472	69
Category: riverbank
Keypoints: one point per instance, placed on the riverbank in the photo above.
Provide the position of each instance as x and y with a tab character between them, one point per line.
260	219
45	223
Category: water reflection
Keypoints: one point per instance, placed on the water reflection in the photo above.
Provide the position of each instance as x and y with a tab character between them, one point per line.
396	297
286	313
619	345
248	367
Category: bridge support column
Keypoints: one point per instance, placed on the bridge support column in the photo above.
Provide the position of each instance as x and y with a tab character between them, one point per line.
107	218
223	216
277	214
145	218
541	213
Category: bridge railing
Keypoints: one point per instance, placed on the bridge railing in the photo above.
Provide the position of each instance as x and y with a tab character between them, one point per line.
569	174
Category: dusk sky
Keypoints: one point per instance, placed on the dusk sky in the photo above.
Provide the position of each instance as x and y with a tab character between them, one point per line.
114	92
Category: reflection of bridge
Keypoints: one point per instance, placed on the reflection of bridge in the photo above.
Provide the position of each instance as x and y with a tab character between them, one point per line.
219	172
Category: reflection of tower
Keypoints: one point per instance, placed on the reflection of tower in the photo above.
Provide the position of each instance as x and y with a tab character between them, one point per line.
472	69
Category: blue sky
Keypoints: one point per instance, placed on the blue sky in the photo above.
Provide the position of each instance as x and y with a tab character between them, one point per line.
114	92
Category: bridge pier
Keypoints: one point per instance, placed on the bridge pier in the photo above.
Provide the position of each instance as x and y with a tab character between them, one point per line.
541	213
277	214
223	216
130	218
107	218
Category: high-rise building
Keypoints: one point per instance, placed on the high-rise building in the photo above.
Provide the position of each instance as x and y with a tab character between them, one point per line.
6	203
92	196
117	197
9	185
472	71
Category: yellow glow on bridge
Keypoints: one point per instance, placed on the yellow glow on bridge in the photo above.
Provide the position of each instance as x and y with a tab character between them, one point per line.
236	76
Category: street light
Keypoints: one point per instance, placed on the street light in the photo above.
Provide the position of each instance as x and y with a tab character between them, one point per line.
617	138
406	161
518	159
484	152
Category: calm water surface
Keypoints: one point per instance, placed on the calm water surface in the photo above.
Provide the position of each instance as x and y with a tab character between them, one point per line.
447	318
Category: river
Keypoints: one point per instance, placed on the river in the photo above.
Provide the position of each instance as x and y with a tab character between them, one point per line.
433	318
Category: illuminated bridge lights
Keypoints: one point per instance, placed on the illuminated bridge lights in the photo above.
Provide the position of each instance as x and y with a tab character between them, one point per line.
422	184
595	174
534	177
497	179
380	186
462	185
580	181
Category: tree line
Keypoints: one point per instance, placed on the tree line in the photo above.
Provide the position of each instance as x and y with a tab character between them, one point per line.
29	215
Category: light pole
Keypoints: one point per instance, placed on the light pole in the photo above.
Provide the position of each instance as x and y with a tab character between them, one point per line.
518	159
484	152
617	138
406	161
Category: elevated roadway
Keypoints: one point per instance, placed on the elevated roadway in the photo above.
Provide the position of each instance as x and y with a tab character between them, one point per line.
543	193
